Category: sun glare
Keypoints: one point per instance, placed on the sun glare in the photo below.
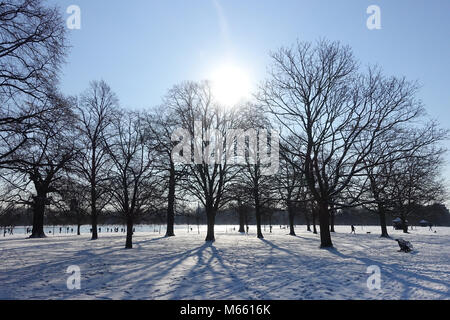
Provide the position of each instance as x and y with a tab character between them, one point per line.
230	85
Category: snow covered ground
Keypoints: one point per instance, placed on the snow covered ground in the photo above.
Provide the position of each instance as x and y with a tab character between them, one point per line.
234	267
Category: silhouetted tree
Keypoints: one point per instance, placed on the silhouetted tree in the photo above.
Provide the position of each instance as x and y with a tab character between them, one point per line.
161	124
205	124
253	178
32	48
132	184
334	115
43	159
95	110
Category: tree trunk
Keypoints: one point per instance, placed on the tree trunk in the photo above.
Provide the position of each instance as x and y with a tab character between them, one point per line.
129	242
258	221
241	219
324	221
308	225
210	221
382	214
94	220
314	216
170	205
332	217
405	225
291	213
38	216
246	220
79	221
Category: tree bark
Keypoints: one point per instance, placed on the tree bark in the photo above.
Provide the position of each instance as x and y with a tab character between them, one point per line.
79	220
308	225
291	213
38	216
382	214
211	221
314	216
324	221
93	181
258	221
129	241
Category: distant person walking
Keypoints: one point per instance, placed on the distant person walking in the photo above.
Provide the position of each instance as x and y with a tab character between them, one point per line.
353	230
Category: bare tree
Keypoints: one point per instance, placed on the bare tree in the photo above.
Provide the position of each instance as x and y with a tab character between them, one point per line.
204	124
96	110
42	160
132	183
161	125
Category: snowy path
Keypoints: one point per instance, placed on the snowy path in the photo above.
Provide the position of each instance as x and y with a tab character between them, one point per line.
234	267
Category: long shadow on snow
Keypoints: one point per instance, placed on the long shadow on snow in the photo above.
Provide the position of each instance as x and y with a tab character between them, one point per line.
205	266
394	270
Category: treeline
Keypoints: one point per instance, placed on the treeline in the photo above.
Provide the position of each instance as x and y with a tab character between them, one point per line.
321	135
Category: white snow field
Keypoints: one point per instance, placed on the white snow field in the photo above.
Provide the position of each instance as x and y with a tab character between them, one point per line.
234	267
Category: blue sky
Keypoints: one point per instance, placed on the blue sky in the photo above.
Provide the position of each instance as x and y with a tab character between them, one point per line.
143	47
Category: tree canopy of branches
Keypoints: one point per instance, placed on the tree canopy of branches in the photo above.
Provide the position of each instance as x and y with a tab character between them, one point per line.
350	137
205	124
132	184
291	187
396	158
32	48
160	126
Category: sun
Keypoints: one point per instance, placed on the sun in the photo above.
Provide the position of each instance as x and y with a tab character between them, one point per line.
230	85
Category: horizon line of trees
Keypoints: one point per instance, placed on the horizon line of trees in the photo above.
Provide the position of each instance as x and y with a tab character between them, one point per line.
348	137
435	214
